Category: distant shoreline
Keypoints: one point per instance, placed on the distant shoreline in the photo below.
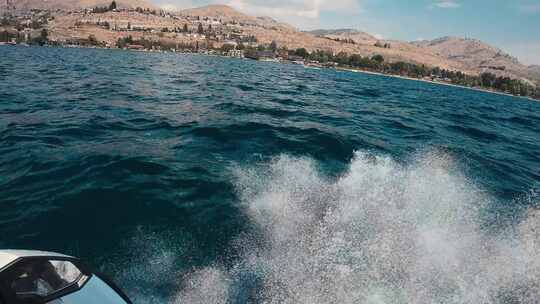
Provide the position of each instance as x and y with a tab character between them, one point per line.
434	82
345	69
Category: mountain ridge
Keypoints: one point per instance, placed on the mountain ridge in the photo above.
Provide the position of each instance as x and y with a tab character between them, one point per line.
478	55
228	13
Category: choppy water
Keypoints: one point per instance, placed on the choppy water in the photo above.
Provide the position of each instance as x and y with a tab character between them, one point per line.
195	179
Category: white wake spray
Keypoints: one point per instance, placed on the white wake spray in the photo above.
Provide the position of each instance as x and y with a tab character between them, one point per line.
382	233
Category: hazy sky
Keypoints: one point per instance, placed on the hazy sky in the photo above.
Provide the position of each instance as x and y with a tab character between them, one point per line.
512	25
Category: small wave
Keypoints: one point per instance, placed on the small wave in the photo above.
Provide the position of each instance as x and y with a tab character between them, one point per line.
524	121
294	139
248	109
475	133
288	101
399	126
137	166
184	81
381	233
245	88
372	93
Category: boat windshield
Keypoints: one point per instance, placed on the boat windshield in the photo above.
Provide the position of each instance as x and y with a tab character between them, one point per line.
30	279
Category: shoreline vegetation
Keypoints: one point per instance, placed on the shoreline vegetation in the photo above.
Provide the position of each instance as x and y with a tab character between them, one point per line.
35	32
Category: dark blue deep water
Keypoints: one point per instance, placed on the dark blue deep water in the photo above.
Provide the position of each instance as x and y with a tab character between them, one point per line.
193	179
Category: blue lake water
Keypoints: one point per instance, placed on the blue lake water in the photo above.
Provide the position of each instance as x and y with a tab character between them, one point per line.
195	179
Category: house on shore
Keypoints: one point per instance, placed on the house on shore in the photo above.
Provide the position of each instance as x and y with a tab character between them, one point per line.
236	53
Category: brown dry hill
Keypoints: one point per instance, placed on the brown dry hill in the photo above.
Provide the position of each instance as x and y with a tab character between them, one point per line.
534	72
479	56
229	14
75	4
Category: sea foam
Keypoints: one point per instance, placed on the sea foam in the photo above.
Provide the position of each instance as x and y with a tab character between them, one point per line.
381	233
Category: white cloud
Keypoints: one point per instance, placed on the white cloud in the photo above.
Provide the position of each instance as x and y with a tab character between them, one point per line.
169	7
298	12
177	5
446	4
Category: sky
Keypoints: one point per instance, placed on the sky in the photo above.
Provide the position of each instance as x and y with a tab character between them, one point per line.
511	25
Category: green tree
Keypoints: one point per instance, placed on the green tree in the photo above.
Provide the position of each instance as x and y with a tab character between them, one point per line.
5	21
4	36
342	58
185	28
112	6
355	60
200	30
35	24
92	40
273	46
122	42
302	52
402	68
488	79
44	34
378	58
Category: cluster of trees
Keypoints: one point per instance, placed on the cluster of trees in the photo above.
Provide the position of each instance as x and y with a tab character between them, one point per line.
104	9
162	44
383	45
6	36
506	84
124	41
7	20
343	40
42	39
185	29
351	41
92	40
145	11
343	59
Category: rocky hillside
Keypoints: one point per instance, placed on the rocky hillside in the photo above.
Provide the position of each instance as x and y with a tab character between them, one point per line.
479	56
228	14
534	68
24	5
346	34
534	71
